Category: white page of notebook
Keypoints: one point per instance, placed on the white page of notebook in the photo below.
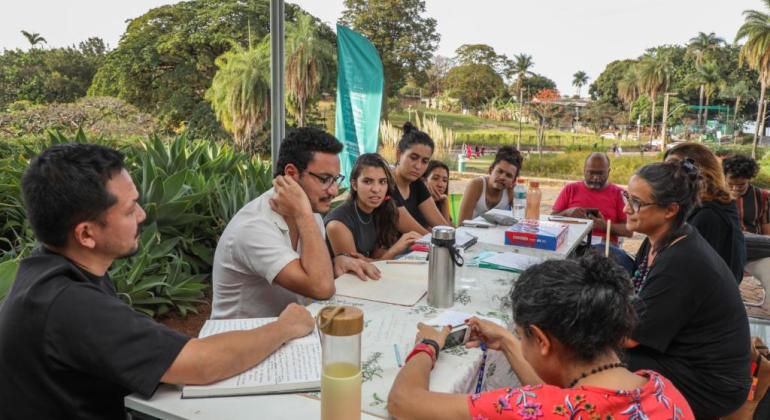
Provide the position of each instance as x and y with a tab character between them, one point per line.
513	260
399	284
297	361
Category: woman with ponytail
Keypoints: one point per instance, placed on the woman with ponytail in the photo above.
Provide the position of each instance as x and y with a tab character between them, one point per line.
366	223
692	327
416	209
571	318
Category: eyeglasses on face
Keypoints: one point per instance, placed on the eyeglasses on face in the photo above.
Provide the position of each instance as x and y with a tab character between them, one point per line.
634	203
327	180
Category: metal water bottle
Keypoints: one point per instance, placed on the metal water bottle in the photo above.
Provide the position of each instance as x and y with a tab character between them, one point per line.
443	256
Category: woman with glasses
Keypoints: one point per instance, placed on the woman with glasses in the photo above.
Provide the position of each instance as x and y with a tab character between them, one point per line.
571	317
692	327
366	224
416	209
716	217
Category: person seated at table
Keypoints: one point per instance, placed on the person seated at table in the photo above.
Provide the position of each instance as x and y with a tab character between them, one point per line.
693	327
70	348
716	216
366	224
753	205
273	252
597	199
493	191
417	212
436	178
571	315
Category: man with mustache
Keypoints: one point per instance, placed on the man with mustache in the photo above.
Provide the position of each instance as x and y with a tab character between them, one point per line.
69	347
597	199
273	251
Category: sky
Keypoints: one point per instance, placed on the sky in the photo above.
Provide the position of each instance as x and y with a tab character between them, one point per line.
562	36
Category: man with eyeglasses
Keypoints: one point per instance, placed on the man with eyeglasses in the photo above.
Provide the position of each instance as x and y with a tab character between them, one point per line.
273	252
597	199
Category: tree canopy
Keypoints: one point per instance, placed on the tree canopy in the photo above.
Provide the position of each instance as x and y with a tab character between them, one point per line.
474	84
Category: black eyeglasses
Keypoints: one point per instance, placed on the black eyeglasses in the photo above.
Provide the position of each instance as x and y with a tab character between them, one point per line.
328	180
634	203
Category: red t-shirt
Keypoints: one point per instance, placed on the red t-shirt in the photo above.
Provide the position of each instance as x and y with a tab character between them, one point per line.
608	200
657	399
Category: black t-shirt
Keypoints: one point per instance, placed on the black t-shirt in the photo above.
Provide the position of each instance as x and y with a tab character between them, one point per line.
361	225
719	225
418	193
693	325
71	349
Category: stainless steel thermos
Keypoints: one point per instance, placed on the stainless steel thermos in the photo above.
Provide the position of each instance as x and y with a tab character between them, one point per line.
443	257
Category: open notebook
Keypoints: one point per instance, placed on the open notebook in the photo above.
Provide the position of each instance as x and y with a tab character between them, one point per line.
403	282
295	367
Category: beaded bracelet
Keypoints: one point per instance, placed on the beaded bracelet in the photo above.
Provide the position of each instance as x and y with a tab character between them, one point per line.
423	348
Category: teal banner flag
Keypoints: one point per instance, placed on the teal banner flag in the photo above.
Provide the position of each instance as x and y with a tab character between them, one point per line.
359	97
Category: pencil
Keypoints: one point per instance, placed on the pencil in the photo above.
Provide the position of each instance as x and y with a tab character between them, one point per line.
406	262
607	243
398	355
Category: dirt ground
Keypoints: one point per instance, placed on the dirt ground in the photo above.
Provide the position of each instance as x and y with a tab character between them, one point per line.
752	291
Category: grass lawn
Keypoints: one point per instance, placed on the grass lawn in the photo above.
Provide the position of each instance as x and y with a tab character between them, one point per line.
457	122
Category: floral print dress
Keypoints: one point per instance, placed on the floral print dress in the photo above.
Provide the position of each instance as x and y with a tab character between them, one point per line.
657	399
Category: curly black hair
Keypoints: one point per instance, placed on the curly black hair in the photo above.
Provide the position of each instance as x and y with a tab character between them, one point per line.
740	166
510	155
585	303
298	148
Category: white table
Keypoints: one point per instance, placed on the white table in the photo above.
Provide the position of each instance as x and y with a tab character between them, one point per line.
477	291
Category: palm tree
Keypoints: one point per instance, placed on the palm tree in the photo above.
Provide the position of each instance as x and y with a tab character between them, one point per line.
628	87
522	63
709	77
736	90
579	80
653	74
756	53
33	38
307	61
701	47
240	93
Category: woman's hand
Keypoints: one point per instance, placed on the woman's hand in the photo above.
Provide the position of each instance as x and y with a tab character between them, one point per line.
490	333
406	240
437	195
429	332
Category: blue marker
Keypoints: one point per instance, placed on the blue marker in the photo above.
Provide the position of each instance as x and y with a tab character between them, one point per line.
483	366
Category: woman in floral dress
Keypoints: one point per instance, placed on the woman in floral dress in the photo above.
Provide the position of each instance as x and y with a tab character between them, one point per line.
571	317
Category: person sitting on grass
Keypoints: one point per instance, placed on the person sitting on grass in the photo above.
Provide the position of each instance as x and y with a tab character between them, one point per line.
366	224
571	317
693	326
70	348
493	191
436	178
417	212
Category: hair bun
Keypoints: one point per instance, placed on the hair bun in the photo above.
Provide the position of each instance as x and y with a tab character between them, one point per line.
409	127
600	270
689	168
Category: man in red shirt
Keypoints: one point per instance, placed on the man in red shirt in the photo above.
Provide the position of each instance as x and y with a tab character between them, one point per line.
597	199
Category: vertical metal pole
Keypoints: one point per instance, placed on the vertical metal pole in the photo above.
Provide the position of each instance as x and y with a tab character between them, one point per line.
277	103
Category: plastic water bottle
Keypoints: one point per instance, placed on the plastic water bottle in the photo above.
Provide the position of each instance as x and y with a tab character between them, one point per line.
533	201
519	199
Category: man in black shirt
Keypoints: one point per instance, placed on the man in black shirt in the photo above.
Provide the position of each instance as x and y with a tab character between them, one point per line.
69	347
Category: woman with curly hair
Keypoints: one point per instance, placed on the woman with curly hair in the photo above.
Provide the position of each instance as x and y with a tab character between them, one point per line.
716	216
571	317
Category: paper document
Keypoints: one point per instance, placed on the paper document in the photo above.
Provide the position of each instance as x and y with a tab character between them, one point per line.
510	260
400	284
295	367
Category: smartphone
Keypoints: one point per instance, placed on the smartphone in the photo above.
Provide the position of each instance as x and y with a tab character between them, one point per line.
458	336
593	212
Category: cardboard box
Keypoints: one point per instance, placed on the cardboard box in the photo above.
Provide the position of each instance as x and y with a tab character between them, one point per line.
537	234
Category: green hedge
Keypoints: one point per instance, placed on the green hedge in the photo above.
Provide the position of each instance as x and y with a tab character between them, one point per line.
553	139
190	190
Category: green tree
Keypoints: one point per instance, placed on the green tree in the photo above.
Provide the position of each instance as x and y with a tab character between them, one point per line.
709	76
34	38
309	58
165	60
736	90
579	80
474	84
482	54
240	93
49	75
653	71
404	37
702	48
756	53
605	87
521	68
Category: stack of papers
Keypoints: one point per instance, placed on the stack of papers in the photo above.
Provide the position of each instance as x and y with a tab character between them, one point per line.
509	261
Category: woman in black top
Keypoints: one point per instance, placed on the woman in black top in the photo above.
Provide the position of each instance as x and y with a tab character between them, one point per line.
416	209
693	327
716	218
366	223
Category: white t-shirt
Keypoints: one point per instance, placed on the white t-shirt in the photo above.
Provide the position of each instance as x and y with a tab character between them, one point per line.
252	250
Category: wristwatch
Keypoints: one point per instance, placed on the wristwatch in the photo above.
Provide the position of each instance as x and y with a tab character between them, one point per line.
431	343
